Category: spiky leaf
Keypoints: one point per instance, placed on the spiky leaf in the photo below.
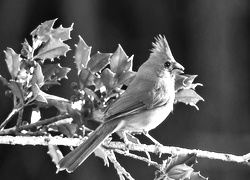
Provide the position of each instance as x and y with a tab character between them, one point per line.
98	61
185	81
38	94
13	62
189	82
125	78
178	167
38	77
118	60
181	171
86	78
60	103
43	31
4	80
62	33
52	71
179	82
188	159
26	50
17	89
107	78
52	48
82	54
188	96
197	176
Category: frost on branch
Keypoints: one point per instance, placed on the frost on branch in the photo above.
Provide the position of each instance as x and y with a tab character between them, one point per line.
102	78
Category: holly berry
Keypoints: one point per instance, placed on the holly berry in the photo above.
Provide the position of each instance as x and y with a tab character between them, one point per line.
8	93
74	85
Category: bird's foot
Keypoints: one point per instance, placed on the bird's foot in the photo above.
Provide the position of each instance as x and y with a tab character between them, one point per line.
157	143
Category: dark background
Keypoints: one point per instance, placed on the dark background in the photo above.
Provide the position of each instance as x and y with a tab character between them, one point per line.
208	37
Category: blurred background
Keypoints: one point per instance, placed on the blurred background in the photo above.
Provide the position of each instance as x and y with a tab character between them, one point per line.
209	38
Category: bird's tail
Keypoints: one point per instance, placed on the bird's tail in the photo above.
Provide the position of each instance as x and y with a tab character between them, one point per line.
76	157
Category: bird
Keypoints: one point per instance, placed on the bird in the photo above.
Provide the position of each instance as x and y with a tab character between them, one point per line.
145	104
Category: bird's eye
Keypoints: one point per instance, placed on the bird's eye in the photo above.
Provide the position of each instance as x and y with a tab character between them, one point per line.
167	64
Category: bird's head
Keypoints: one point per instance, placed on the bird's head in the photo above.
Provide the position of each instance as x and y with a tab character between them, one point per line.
161	55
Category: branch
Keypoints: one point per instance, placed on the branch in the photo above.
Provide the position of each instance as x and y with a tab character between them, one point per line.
14	130
57	140
178	150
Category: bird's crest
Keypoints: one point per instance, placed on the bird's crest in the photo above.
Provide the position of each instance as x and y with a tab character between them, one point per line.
161	46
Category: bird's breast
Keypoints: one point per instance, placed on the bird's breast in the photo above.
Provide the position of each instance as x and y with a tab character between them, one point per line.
147	120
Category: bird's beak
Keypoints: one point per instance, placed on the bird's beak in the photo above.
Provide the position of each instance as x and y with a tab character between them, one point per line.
177	68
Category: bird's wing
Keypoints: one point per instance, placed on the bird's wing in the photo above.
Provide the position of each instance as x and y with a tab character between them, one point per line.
139	96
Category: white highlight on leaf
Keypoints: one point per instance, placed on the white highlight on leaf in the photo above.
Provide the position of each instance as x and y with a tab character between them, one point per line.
35	115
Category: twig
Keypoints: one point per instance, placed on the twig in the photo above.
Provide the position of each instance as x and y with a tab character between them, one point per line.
120	170
20	117
10	116
41	140
13	130
134	156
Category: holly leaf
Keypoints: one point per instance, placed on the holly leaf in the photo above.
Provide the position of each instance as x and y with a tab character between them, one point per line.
188	96
189	82
60	103
125	78
177	167
52	48
55	153
26	49
38	94
64	126
62	33
92	93
86	78
197	176
179	82
185	82
184	88
107	78
43	31
119	61
188	159
48	83
38	77
82	54
181	171
98	83
98	61
17	89
13	62
67	129
54	71
125	74
4	80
